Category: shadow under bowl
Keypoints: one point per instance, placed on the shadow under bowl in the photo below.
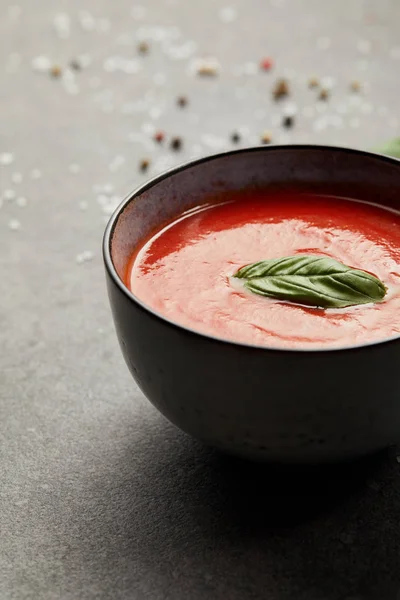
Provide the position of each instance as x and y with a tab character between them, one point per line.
293	406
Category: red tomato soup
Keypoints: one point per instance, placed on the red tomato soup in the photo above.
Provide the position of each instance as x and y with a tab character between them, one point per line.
184	270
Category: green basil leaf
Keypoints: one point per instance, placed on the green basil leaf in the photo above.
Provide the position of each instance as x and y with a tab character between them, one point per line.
312	280
391	148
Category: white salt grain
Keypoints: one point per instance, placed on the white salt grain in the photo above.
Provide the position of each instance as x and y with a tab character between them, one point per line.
36	174
6	158
84	256
21	201
227	14
41	63
83	205
86	20
62	25
116	163
9	194
14	225
74	168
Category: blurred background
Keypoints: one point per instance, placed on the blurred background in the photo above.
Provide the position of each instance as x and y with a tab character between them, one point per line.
96	97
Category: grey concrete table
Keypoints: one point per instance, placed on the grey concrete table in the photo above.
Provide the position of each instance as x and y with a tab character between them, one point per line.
99	496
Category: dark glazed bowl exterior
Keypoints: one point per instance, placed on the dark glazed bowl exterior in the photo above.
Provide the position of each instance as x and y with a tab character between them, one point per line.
302	406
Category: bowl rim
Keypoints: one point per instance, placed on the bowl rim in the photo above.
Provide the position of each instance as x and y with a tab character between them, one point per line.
111	270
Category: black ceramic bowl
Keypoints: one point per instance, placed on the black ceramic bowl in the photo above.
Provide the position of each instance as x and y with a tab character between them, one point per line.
248	400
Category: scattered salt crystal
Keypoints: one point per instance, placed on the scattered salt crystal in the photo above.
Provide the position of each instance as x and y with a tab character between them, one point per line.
84	256
320	124
71	88
110	204
21	201
6	158
62	25
102	199
16	177
181	52
9	194
36	174
155	113
213	141
41	63
290	109
86	20
110	65
14	225
382	110
148	128
323	43
227	14
328	82
131	66
74	168
116	163
83	205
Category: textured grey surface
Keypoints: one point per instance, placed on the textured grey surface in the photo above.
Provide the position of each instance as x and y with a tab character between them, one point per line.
99	496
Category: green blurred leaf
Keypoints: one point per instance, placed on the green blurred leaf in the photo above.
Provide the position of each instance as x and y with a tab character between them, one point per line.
390	148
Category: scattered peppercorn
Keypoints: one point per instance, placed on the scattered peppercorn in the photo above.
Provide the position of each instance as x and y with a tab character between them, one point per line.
355	86
144	165
55	71
235	137
182	101
143	48
207	70
266	64
313	82
324	94
288	121
176	143
75	65
159	136
266	137
281	89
